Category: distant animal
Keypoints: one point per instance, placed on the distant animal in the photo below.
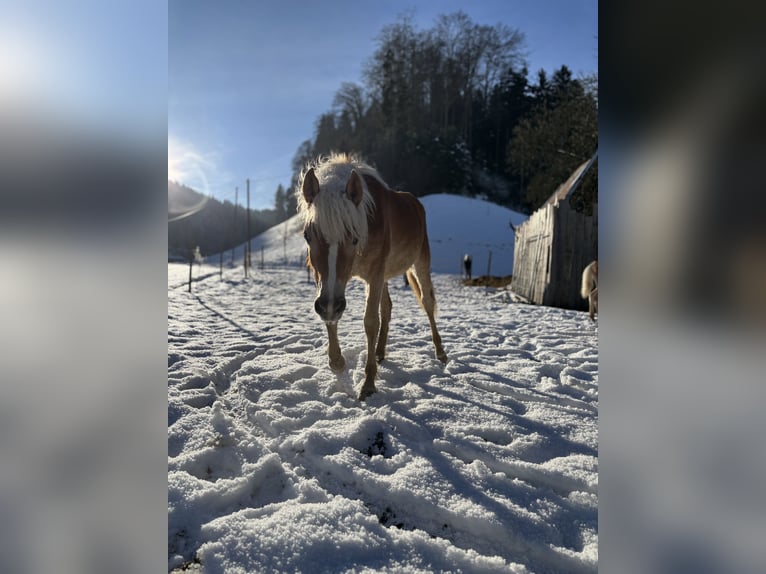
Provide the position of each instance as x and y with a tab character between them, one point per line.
467	263
355	225
589	288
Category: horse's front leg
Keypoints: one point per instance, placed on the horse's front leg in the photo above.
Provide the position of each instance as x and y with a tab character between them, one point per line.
371	329
337	362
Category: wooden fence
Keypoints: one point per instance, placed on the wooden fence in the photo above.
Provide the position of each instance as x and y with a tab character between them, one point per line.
551	250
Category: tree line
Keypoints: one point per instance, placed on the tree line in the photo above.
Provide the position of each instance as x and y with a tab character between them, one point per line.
210	224
452	109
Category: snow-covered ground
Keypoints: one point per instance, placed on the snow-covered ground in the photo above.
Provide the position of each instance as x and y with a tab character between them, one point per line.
487	464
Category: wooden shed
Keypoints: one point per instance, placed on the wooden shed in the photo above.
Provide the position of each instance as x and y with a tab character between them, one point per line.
553	247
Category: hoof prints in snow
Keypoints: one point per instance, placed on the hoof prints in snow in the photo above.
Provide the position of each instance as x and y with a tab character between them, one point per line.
388	518
487	464
378	446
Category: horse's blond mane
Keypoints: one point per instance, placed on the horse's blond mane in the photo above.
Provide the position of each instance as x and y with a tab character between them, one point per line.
334	214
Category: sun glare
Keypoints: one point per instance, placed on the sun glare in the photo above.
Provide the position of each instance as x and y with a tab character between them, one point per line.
187	166
23	68
174	169
173	172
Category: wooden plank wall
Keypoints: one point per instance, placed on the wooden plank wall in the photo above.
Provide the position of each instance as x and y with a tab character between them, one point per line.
552	248
575	244
531	251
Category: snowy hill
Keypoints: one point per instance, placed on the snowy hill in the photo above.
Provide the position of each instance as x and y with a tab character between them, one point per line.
456	225
459	225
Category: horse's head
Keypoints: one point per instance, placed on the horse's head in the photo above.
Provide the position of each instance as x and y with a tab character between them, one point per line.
332	243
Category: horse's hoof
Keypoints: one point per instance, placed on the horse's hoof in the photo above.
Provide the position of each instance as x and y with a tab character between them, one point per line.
442	357
380	358
366	392
338	365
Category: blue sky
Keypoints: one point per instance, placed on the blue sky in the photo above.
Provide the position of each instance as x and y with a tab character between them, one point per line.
248	79
83	62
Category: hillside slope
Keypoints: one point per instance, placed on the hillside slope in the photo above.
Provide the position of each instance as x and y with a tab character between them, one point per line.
456	225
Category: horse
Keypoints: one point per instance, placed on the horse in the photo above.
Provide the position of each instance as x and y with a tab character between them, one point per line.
589	287
355	225
467	263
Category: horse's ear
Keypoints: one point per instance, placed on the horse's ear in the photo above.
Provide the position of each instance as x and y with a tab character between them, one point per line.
310	187
355	188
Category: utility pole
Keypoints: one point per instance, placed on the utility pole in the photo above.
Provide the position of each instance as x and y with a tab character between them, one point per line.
234	223
284	242
191	263
489	269
247	266
221	243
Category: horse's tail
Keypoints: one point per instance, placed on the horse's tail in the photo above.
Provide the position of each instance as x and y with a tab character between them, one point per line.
587	282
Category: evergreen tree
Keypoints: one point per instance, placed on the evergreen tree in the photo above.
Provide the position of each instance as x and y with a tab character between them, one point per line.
550	143
437	111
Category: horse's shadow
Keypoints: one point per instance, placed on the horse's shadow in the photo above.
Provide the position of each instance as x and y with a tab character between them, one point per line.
390	392
402	376
425	438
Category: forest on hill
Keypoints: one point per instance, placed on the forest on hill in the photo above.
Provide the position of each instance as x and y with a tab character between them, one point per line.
196	220
452	109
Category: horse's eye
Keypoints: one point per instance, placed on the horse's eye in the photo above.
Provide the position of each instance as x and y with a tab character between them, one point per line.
356	240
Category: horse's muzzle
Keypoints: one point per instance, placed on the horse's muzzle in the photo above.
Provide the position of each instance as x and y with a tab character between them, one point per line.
330	313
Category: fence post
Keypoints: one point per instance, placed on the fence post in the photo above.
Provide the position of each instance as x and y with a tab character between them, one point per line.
489	268
234	224
249	216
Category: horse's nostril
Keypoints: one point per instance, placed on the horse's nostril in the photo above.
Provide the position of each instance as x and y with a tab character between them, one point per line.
340	306
319	307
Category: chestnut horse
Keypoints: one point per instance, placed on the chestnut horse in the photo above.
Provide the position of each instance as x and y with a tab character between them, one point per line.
356	226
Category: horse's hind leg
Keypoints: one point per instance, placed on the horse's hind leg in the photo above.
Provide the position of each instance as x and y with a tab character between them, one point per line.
385	319
420	279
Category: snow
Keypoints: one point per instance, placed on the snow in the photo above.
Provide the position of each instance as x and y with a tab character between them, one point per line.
487	464
456	225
